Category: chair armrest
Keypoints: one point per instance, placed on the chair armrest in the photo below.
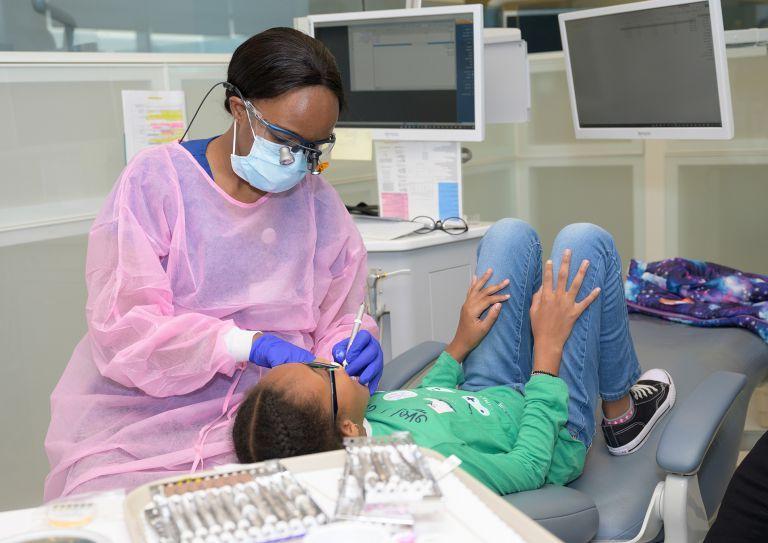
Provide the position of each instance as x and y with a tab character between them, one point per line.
695	423
401	369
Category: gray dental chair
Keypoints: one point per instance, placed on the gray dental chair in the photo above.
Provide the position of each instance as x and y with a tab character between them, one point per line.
671	488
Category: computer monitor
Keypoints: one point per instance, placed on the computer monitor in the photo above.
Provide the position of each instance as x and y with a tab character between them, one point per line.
652	69
410	74
539	27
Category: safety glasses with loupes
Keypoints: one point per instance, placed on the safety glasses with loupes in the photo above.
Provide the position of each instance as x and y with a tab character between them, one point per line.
293	143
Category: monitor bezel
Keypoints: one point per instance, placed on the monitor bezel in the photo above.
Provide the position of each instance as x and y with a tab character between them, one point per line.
721	68
422	134
522	12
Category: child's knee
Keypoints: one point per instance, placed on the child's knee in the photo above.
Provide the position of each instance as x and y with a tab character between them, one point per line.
582	237
511	232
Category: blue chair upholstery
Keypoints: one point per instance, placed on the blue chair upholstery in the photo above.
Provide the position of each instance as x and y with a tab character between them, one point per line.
610	499
567	513
690	355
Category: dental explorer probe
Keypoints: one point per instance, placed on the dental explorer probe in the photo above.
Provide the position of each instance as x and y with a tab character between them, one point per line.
355	330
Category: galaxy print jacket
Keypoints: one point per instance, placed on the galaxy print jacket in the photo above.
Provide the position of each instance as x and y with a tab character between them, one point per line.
698	293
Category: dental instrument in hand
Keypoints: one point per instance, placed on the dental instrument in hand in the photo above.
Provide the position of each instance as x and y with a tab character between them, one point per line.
355	330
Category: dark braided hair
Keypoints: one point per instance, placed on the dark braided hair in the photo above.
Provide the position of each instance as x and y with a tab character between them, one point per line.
275	423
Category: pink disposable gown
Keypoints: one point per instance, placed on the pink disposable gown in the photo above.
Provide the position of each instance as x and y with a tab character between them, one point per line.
173	264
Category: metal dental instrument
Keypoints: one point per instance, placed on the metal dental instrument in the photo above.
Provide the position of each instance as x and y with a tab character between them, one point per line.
266	514
265	511
303	503
219	512
248	512
275	506
355	330
226	497
205	513
180	518
252	520
380	467
294	515
161	522
187	501
262	504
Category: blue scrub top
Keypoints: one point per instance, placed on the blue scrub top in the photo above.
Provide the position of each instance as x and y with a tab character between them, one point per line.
197	149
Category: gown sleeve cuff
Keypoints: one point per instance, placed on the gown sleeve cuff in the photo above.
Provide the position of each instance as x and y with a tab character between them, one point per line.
239	343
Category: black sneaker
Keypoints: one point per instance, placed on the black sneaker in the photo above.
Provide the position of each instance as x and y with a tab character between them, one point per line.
654	395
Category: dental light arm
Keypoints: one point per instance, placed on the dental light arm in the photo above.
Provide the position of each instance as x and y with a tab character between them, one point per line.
61	17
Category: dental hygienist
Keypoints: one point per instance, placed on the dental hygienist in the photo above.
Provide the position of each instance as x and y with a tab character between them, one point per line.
211	261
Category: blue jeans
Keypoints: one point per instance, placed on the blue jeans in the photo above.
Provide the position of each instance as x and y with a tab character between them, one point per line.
599	357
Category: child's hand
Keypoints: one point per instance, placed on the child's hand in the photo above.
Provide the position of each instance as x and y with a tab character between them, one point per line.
472	329
555	311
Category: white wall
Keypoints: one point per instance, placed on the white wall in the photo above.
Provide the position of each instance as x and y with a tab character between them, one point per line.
42	299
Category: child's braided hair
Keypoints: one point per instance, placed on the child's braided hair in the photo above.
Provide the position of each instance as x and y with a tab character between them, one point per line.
274	423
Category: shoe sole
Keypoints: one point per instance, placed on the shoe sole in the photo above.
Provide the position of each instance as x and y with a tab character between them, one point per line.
633	445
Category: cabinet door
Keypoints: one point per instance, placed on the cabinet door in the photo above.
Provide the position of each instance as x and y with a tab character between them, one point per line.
447	290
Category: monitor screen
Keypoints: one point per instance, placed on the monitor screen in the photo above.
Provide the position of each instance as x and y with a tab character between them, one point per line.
405	72
645	68
539	28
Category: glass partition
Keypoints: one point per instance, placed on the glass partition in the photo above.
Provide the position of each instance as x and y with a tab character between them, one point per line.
168	26
206	26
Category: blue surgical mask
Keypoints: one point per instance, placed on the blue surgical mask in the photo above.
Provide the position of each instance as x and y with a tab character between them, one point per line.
261	167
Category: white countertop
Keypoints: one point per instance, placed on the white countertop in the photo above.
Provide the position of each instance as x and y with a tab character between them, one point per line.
418	241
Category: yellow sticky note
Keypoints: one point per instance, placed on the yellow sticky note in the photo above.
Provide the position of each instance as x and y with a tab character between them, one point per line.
353	144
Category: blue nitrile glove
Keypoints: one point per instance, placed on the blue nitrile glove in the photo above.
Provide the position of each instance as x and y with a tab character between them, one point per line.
365	358
269	351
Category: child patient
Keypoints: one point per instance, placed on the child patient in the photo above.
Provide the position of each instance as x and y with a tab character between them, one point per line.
515	392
